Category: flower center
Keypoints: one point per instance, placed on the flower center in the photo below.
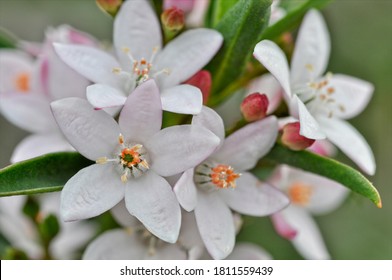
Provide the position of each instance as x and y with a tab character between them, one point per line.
22	82
300	193
211	176
131	159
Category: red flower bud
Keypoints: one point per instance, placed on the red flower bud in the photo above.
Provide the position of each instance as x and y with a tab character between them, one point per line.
109	6
201	80
173	19
254	107
292	139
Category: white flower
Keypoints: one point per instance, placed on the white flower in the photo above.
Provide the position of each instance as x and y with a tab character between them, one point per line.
309	194
137	42
322	103
131	158
27	87
221	182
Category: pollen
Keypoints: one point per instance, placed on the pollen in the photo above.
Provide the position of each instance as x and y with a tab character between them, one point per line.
300	193
22	82
223	176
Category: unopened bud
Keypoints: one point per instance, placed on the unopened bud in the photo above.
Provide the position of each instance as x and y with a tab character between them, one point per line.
201	80
254	107
173	19
293	140
110	6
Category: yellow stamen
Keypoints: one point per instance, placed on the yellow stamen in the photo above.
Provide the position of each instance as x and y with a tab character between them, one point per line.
300	194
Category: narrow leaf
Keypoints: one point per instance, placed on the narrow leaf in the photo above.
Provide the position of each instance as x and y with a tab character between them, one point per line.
241	28
7	40
216	10
47	173
326	167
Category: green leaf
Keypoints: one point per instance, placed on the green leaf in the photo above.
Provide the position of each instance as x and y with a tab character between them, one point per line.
292	18
326	167
49	228
47	173
216	10
7	40
241	28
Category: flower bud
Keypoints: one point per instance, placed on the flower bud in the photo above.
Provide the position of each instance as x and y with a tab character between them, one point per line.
109	6
185	5
201	80
293	140
254	107
173	19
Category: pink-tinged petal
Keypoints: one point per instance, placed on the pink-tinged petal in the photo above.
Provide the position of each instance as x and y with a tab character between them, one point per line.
203	81
178	148
255	198
137	28
282	227
92	133
350	142
103	96
91	192
94	64
209	119
151	199
141	116
121	214
40	144
196	17
269	86
216	226
29	112
185	190
312	48
274	59
249	251
310	128
116	244
182	99
186	55
323	148
308	241
243	149
351	94
185	5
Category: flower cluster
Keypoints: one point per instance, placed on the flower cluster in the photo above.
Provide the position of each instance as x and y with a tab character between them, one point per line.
177	185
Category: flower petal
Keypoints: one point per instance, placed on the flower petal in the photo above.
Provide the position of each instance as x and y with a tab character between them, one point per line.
92	63
282	227
150	199
309	126
185	190
246	146
40	144
190	237
90	192
312	48
350	142
121	214
104	96
186	55
248	251
229	109
351	93
308	241
141	116
216	225
178	148
274	59
182	99
93	133
252	197
209	119
137	28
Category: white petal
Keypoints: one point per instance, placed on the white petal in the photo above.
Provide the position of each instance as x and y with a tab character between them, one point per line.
186	55
310	128
136	27
246	146
121	214
141	116
167	252
248	251
178	148
150	199
311	49
92	63
350	141
93	133
116	244
209	119
90	192
185	190
252	197
216	225
308	241
352	93
40	144
190	237
274	59
229	109
104	96
182	99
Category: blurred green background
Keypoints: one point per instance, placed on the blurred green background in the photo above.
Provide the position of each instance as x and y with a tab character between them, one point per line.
361	32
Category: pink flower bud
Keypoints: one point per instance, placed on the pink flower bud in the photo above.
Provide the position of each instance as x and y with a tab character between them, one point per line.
173	19
201	80
292	139
254	107
185	5
109	6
